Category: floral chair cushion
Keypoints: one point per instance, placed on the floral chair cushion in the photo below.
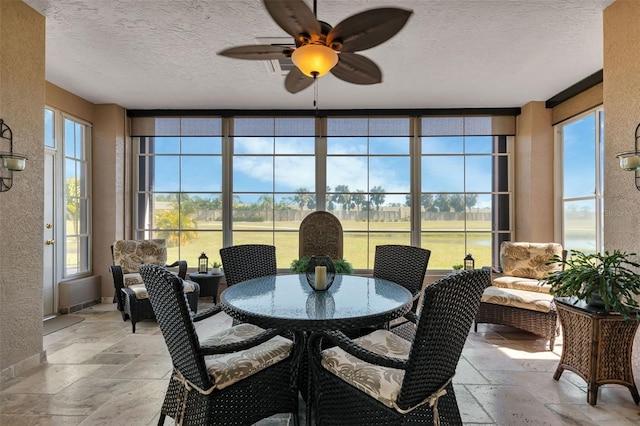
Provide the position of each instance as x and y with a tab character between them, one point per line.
141	291
381	383
130	254
227	369
531	300
518	283
132	279
529	260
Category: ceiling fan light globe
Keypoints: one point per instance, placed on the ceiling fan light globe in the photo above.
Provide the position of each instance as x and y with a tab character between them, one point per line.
314	60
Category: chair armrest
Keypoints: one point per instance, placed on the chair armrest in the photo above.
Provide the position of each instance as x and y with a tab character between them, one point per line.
240	346
182	268
411	316
118	276
340	339
492	272
206	314
130	294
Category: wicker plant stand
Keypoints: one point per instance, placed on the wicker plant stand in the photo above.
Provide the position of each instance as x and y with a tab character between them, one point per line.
597	347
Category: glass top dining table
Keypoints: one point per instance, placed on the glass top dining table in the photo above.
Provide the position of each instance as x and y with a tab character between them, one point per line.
287	301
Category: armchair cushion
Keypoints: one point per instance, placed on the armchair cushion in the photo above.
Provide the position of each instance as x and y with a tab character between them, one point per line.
141	291
529	260
132	279
130	254
521	284
524	299
227	369
377	381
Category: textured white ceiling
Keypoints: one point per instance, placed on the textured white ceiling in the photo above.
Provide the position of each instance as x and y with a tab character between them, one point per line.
161	54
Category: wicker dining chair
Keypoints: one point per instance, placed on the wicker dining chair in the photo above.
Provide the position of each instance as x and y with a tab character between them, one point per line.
238	376
247	261
404	265
383	379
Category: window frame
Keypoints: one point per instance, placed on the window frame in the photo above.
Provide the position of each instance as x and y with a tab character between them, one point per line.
598	195
415	139
59	152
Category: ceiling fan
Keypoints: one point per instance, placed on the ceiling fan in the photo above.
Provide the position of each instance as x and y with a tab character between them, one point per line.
321	48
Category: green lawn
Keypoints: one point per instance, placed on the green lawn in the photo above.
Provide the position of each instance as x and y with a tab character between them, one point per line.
359	246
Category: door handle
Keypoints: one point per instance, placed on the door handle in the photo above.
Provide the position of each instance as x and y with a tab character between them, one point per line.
51	242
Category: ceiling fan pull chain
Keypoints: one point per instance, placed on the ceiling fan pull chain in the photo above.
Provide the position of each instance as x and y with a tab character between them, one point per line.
315	94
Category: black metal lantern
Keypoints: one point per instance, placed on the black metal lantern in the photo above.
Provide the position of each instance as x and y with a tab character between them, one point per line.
320	272
469	262
203	264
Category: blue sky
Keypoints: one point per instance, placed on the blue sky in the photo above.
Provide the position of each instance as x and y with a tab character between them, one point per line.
387	166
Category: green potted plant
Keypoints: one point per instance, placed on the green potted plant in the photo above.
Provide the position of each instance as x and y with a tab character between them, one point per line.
608	280
299	266
457	268
215	267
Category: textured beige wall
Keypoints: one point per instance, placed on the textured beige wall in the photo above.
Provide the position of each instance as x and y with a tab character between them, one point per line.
622	115
22	48
534	174
68	102
109	195
578	104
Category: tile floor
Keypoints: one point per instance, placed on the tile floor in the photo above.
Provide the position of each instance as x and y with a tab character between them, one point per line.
98	373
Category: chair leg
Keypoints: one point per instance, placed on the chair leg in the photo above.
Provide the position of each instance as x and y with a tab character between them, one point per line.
296	408
161	420
133	326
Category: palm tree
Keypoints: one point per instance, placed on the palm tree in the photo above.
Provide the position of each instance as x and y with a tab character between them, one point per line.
377	196
442	203
302	197
360	199
174	223
342	196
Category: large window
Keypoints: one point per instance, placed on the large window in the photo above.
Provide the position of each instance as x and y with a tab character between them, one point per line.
582	153
390	180
77	200
67	169
180	187
368	177
273	181
464	194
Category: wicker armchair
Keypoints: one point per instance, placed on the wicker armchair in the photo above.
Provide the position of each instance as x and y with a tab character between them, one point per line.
383	379
248	261
320	234
130	293
238	376
516	295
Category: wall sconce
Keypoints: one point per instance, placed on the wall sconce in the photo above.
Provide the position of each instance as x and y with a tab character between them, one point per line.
10	161
630	160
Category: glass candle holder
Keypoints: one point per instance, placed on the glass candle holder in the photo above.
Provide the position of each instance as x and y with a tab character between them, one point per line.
320	272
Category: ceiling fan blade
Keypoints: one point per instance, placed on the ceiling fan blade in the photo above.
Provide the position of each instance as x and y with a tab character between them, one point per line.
368	29
357	69
257	51
293	16
296	81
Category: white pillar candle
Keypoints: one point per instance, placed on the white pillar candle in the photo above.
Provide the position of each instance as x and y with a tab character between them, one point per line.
631	162
321	277
15	164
